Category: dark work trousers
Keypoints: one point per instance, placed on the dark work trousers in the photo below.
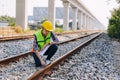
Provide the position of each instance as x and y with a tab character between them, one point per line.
50	52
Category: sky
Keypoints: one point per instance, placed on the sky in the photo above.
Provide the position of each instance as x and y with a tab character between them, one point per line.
99	8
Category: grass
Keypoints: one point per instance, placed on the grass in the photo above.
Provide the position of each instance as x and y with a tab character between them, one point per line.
11	31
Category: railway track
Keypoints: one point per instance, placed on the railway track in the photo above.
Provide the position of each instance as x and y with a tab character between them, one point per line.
39	75
8	60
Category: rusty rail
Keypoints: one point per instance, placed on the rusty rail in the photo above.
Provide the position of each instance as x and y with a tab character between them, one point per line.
14	58
15	38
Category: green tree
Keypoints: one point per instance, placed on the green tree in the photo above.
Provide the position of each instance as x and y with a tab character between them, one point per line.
118	1
114	24
8	19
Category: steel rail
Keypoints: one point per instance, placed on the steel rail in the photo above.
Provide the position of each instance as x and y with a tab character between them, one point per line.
31	36
41	73
15	38
14	58
76	38
17	57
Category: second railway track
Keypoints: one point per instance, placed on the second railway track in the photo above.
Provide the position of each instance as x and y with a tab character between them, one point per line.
28	36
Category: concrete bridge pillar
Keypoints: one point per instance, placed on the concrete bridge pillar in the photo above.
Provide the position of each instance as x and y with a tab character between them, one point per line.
66	15
87	22
74	25
79	19
21	13
51	12
82	21
83	26
90	22
88	19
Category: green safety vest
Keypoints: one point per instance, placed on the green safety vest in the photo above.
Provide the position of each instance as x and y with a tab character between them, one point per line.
41	41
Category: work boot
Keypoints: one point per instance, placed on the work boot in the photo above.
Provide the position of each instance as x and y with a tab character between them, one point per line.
47	62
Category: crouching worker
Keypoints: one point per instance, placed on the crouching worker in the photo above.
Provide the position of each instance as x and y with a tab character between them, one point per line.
44	44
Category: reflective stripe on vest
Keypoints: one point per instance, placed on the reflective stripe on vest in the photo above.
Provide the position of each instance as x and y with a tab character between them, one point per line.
41	41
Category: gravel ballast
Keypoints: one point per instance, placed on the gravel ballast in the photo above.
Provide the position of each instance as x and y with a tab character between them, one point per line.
94	62
20	70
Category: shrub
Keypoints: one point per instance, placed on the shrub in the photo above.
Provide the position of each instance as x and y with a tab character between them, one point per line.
111	31
27	30
18	29
12	24
58	30
10	20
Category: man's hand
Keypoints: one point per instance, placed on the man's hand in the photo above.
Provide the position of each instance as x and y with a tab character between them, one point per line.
40	58
43	63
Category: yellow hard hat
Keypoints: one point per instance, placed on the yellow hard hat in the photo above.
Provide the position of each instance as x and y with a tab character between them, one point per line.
47	25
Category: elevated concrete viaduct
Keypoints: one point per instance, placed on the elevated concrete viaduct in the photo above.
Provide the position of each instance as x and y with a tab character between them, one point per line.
81	15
